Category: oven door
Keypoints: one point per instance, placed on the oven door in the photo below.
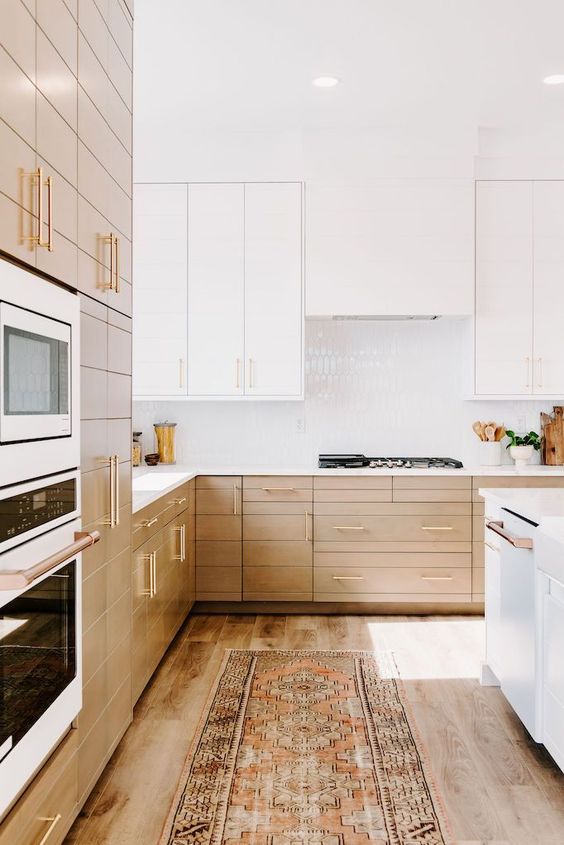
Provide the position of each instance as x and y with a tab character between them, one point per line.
35	396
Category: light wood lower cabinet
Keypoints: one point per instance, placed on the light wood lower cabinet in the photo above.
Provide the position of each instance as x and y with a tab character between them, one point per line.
163	587
48	806
218	538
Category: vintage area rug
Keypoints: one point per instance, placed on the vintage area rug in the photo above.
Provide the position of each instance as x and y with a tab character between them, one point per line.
306	748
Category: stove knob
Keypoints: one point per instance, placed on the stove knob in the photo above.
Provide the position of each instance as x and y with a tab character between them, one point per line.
399	463
408	465
372	464
390	464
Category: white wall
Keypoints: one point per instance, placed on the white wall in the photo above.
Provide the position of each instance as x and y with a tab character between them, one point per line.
373	387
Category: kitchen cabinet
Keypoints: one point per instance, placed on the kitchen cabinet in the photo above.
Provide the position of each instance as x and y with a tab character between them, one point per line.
230	324
390	247
160	336
519	262
218	538
553	669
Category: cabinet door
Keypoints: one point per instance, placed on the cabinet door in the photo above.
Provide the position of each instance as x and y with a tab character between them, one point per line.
273	289
548	273
216	267
504	289
159	338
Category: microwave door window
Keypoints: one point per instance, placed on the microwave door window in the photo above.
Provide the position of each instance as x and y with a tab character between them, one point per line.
36	374
37	653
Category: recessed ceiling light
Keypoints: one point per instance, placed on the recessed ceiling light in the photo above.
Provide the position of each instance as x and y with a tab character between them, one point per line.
554	79
325	81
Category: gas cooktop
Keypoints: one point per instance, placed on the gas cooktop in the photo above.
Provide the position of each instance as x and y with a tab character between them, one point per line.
360	461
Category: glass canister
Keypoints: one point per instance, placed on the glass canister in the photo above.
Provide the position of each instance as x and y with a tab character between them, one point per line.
165	433
136	449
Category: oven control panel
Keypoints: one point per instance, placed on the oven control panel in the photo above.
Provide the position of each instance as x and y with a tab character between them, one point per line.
28	510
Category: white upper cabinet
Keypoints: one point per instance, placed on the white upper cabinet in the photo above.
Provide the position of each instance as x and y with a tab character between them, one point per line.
216	273
519	288
160	307
273	289
390	247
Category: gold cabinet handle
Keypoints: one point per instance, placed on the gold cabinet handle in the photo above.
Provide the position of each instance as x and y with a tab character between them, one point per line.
437	528
348	578
348	528
238	374
540	382
278	489
53	822
113	462
251	385
117	282
518	542
436	577
178	501
181	372
147	523
116	490
528	371
182	535
113	282
37	177
306	516
16	579
50	213
235	500
153	574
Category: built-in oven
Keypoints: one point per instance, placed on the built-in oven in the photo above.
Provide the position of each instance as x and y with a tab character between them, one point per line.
39	376
40	624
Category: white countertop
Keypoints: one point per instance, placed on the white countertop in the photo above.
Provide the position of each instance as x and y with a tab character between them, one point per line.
146	491
538	505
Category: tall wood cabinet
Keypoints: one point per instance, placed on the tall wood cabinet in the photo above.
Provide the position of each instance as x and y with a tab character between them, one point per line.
65	209
220	312
519	293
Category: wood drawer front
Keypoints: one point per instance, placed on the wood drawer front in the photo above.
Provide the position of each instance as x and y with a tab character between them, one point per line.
393	508
221	501
432	482
269	494
432	495
277	527
352	482
218	482
218	579
54	791
218	553
392	560
281	508
281	553
265	580
218	527
392	528
155	516
424	547
277	483
392	580
366	496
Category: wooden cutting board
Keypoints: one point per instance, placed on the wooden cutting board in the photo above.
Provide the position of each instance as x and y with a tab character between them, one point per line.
552	430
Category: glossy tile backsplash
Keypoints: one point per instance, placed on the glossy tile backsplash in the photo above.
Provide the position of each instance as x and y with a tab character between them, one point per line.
373	387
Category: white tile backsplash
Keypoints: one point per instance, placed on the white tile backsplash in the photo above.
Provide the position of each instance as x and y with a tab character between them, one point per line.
388	388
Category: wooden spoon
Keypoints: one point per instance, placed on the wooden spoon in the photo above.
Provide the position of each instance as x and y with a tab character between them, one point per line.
478	429
489	431
500	432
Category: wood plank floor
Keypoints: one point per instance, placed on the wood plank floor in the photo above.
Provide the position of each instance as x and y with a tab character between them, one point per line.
499	787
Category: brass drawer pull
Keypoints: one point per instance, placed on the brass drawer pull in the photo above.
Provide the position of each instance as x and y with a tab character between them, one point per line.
348	528
348	578
53	822
113	282
306	518
37	177
182	531
251	384
517	542
147	523
436	577
15	579
278	489
234	500
437	528
178	501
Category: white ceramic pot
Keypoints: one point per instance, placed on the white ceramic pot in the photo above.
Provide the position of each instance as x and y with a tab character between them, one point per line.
490	454
521	455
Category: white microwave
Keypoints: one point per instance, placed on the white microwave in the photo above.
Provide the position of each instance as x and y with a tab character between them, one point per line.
39	376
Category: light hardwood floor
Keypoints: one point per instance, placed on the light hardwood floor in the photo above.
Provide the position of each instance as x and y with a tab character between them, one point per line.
499	787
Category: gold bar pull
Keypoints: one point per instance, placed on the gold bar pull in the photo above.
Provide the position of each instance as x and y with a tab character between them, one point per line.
49	243
251	385
278	489
307	537
117	282
234	500
539	361
17	578
178	501
147	523
437	528
182	555
348	578
518	542
348	527
36	177
54	821
238	374
116	490
436	577
154	573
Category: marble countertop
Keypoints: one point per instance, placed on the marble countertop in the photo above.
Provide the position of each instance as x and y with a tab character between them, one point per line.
149	485
540	505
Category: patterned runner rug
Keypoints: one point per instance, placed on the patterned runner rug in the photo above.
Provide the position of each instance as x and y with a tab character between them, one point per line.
306	748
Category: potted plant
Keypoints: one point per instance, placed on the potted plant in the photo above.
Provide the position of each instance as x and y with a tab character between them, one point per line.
521	447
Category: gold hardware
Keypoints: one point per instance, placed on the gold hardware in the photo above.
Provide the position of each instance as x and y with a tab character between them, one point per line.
182	531
116	494
180	372
148	522
539	361
517	542
148	592
251	385
307	537
50	213
116	244
234	500
113	462
278	489
437	528
348	527
113	241
18	578
37	177
528	366
348	578
238	374
436	577
153	574
54	821
178	501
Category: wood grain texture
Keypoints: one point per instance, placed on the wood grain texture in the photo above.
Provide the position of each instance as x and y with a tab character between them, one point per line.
499	787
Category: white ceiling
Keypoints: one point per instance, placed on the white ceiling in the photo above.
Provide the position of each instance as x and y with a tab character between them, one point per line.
248	64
